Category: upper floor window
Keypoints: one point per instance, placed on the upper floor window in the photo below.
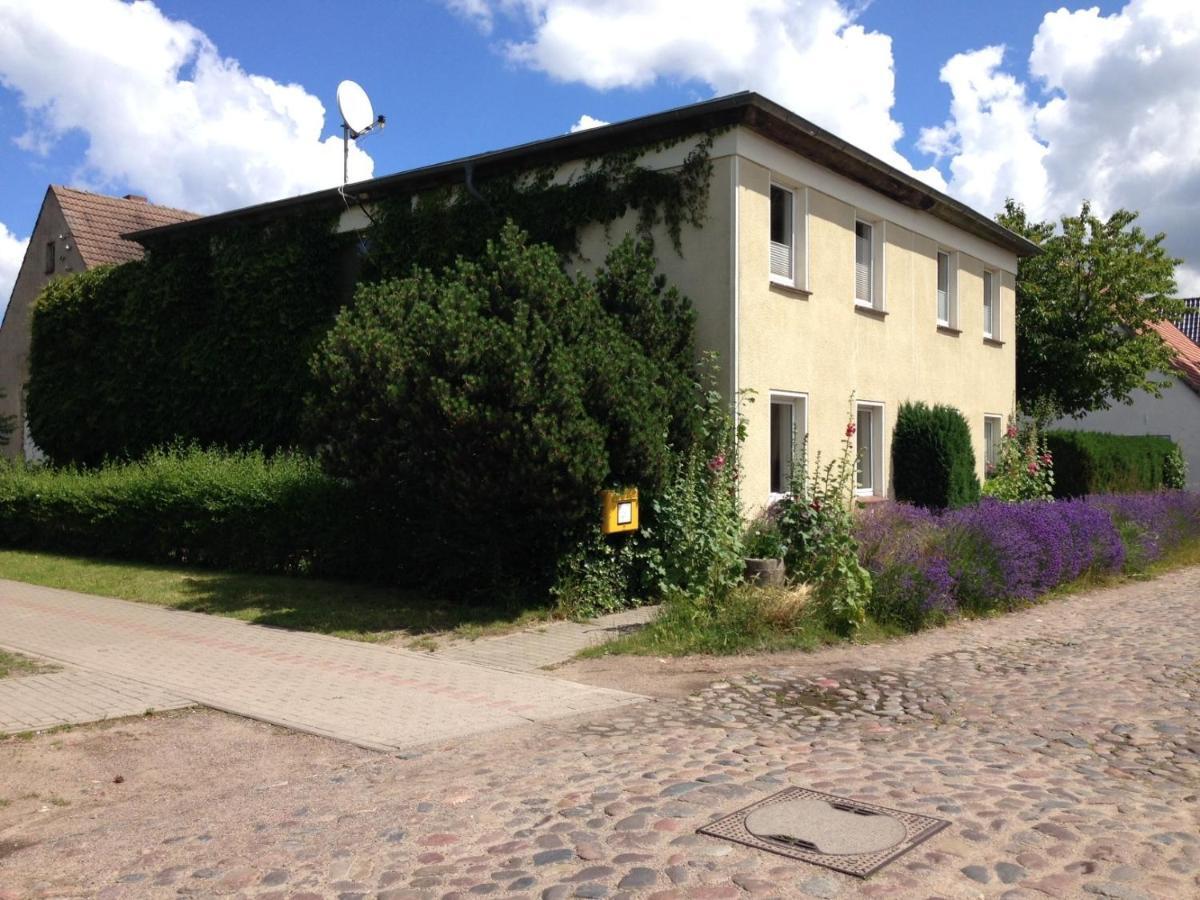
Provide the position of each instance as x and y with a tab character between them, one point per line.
783	241
864	262
51	257
947	315
991	305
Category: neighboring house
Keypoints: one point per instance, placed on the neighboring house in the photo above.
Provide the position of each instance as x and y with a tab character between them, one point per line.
75	231
1189	324
822	273
1176	414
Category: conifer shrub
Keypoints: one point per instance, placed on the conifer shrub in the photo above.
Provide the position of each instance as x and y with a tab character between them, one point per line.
494	400
933	463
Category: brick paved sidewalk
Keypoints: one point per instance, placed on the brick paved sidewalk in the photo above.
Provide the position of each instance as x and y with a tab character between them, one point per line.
75	697
375	697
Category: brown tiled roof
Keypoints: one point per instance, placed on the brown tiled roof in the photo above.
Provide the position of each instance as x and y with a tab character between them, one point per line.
1187	354
98	221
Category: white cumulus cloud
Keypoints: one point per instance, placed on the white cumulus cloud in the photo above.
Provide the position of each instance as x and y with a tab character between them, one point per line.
1111	113
810	55
162	110
12	252
584	122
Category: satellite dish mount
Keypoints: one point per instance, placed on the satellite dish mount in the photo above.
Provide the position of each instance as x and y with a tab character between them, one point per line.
358	120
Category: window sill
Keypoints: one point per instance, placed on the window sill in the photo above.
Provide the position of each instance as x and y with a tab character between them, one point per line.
949	330
868	499
870	312
789	290
993	342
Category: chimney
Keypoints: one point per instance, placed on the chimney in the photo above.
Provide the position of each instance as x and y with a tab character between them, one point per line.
136	198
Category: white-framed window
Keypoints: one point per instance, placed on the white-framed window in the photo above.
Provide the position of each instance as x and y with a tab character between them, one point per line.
783	234
991	304
992	429
864	263
868	263
789	236
869	480
789	425
947	289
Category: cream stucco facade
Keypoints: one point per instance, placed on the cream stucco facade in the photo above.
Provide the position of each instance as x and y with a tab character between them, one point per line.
809	343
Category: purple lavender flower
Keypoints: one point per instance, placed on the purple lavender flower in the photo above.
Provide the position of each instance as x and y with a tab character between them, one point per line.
995	553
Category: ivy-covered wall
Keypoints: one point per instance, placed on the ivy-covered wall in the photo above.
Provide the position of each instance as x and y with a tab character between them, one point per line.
205	340
208	339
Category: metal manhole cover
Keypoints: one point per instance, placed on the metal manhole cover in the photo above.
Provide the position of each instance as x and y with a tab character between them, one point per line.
848	836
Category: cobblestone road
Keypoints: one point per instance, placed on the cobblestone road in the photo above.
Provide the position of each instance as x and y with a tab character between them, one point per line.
1062	743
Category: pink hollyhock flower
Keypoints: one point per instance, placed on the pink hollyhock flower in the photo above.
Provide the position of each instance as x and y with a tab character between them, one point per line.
850	429
1012	431
1033	467
717	463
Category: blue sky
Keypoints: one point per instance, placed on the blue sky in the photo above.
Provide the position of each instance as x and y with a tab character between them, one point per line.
1008	117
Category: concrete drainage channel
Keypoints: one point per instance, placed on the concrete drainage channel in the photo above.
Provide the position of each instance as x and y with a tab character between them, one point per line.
845	835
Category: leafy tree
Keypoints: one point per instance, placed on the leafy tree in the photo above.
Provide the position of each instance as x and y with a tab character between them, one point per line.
1083	307
492	401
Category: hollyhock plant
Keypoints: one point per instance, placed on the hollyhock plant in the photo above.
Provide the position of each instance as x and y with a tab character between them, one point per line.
816	521
1024	468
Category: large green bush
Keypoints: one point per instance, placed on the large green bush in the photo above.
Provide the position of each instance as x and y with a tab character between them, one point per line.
207	339
933	463
242	511
495	399
1092	462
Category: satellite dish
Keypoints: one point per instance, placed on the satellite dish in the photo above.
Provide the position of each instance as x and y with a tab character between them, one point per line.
358	119
355	107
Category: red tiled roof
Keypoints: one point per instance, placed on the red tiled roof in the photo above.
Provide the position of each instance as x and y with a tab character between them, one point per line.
1187	354
98	221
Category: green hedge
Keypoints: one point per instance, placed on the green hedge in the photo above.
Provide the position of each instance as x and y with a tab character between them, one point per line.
933	463
240	511
1092	462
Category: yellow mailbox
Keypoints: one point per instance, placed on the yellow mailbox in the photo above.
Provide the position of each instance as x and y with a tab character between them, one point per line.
619	511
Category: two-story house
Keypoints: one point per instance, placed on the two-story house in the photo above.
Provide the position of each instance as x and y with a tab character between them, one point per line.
823	274
820	274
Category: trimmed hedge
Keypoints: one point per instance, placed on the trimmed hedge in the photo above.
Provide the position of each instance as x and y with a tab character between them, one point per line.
1092	462
933	463
238	511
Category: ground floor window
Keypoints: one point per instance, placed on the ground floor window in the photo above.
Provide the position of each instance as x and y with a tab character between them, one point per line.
869	435
991	443
789	424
